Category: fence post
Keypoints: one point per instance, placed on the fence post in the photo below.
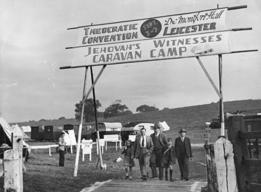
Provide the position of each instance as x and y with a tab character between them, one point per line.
225	166
211	169
13	166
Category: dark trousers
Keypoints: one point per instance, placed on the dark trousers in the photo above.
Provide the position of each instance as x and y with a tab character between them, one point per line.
61	158
183	167
155	161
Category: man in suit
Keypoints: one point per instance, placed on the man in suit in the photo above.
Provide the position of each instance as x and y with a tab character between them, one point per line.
143	147
183	153
160	144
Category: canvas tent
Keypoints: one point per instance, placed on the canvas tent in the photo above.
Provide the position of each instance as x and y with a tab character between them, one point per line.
148	126
105	128
26	129
110	126
6	132
17	127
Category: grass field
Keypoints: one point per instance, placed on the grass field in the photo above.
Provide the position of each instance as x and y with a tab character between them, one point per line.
44	175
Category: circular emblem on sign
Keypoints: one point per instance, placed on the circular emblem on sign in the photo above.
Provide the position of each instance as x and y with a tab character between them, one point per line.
150	28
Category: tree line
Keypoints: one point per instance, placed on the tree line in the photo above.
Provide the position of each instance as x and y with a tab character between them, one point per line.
115	109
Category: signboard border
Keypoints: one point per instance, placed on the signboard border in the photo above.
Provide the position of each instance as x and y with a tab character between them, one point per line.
131	20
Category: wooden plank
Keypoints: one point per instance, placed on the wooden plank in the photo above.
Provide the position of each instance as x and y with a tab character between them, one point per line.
13	166
148	186
43	146
226	172
220	165
253	163
255	187
236	124
211	168
230	166
250	135
253	171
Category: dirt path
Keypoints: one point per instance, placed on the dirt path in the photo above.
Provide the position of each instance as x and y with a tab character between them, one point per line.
148	186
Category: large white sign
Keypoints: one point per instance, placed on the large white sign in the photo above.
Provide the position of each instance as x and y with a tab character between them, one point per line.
165	37
69	137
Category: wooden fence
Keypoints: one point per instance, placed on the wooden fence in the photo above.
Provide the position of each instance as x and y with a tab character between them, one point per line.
245	134
211	169
221	173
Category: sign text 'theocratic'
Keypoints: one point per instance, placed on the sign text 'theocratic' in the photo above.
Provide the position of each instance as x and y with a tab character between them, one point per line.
164	37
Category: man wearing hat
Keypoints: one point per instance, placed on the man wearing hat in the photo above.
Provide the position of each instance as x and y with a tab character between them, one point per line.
160	144
183	153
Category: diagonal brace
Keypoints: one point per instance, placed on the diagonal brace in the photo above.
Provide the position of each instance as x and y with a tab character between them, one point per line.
82	112
94	83
80	127
209	77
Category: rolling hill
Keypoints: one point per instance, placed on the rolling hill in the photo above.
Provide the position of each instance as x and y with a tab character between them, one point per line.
192	118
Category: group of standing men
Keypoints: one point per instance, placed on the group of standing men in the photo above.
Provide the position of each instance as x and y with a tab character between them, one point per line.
156	151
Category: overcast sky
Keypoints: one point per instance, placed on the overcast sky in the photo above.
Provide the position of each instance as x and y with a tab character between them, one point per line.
33	38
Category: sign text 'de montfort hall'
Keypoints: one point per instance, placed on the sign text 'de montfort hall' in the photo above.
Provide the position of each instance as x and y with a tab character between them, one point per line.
172	36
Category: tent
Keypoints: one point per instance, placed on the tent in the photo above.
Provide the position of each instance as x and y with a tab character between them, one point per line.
26	129
6	132
111	126
16	127
148	126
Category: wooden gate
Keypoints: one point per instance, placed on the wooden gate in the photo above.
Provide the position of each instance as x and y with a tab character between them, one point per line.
245	134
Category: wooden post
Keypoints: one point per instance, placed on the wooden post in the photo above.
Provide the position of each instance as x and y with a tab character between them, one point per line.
211	169
80	127
207	133
221	104
225	166
50	151
71	149
13	165
96	121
